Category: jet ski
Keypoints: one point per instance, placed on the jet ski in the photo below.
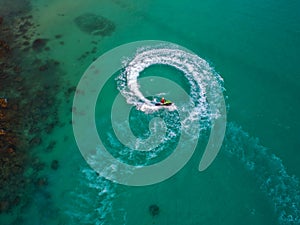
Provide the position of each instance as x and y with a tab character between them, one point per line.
166	103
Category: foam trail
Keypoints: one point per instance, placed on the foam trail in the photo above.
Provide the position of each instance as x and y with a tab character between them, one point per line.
92	192
274	181
206	102
196	70
200	75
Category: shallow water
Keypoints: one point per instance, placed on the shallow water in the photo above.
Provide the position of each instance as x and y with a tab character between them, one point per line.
254	47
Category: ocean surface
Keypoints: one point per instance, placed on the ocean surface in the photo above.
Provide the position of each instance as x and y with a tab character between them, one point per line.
253	46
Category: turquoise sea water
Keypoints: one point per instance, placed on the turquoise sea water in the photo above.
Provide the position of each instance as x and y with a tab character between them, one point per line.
253	45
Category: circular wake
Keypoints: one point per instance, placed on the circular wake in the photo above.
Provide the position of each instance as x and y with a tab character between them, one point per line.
197	71
204	106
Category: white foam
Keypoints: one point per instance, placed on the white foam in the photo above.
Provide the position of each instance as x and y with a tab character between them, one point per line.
84	199
282	188
194	68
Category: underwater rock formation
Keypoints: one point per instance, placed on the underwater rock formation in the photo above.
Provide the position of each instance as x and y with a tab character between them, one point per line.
54	164
95	24
3	102
154	210
39	43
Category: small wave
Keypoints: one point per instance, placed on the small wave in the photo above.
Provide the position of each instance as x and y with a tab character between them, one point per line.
282	188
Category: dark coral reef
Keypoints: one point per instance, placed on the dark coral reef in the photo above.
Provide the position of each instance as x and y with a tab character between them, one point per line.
29	82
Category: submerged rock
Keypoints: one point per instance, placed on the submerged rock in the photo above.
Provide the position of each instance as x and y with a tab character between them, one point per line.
43	68
51	146
58	36
4	46
39	43
35	141
54	164
3	102
41	182
154	210
95	24
4	206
